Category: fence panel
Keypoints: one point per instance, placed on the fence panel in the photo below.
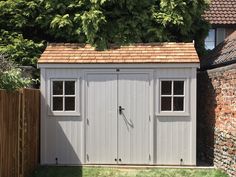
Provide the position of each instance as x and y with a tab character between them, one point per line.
9	103
19	132
31	115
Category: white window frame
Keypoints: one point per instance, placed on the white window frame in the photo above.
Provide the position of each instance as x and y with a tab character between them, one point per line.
171	112
76	96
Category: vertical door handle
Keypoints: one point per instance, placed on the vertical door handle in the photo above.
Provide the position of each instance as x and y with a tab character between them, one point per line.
121	109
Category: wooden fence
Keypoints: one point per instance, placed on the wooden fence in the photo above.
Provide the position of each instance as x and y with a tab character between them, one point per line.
19	132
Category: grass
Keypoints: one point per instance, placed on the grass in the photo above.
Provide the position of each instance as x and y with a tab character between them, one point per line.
115	172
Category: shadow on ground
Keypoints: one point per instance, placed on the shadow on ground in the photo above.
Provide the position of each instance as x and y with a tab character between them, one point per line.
57	171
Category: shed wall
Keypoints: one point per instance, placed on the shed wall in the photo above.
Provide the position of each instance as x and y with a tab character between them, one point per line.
176	134
172	136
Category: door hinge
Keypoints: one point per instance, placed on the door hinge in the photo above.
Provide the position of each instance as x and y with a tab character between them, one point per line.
149	118
87	157
87	121
149	157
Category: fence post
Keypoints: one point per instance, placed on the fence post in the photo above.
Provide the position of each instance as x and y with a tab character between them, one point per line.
20	135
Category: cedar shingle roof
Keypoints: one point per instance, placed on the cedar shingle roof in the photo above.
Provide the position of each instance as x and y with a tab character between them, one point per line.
221	12
136	53
223	54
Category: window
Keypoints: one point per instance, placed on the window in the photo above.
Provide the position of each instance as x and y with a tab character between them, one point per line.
172	95
63	95
215	36
210	40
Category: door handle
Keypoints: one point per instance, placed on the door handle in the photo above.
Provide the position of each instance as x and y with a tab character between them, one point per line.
121	109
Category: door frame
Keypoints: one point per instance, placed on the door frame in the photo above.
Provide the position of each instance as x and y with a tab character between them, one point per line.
117	71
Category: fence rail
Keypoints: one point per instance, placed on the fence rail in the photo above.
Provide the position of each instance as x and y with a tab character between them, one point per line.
19	132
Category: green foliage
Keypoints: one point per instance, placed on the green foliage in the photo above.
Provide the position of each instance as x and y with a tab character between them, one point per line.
11	76
20	50
170	12
26	23
13	80
92	22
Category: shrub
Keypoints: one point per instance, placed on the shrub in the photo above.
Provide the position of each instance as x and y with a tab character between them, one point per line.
11	76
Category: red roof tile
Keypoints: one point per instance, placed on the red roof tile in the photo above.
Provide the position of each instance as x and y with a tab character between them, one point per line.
221	12
136	53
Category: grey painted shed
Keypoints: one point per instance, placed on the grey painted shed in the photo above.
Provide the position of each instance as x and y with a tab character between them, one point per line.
132	104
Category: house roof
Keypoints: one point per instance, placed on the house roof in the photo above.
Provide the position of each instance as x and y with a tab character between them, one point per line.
135	53
221	12
223	54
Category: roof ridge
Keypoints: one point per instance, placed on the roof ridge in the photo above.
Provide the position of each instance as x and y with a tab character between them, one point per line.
124	45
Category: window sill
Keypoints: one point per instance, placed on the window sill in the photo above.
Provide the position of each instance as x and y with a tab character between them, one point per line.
172	114
69	113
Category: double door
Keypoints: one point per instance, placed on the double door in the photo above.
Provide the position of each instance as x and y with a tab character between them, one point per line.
117	121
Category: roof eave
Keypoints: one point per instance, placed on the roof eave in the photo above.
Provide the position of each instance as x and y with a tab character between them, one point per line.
121	65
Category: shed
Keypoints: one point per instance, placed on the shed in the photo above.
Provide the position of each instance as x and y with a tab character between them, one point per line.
132	104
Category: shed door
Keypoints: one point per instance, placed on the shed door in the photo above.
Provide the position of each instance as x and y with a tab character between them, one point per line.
101	134
133	121
118	119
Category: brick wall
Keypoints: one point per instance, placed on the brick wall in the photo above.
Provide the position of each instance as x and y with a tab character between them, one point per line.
217	117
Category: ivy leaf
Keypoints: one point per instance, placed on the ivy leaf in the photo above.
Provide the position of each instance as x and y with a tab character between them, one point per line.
91	23
61	21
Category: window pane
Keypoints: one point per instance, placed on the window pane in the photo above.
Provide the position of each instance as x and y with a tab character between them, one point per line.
57	103
69	87
220	35
57	87
165	103
211	35
178	103
210	39
209	45
166	87
69	103
178	87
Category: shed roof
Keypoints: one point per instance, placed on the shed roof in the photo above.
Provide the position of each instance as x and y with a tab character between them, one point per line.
223	54
221	12
136	53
